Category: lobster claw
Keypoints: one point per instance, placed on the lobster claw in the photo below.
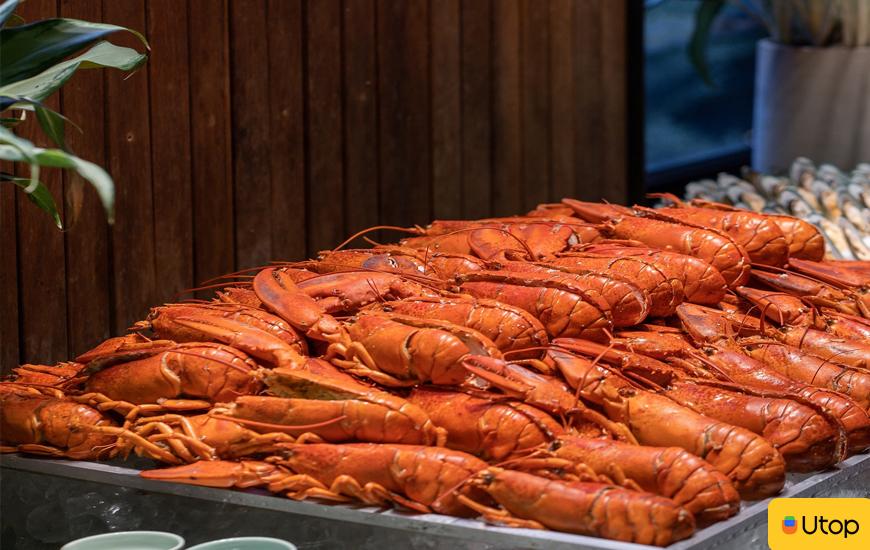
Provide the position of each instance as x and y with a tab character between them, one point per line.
703	324
257	343
280	294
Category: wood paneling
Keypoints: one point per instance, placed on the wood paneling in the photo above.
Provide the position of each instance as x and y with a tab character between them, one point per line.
211	139
249	82
507	175
324	124
271	129
9	326
169	79
360	161
446	88
476	114
403	96
287	129
535	106
41	258
87	238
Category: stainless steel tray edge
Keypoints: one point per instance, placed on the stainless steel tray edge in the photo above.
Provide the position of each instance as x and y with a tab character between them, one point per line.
752	516
432	524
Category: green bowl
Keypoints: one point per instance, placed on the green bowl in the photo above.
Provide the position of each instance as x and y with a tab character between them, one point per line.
245	543
128	540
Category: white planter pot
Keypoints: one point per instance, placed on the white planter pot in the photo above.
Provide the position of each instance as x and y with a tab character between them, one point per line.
811	102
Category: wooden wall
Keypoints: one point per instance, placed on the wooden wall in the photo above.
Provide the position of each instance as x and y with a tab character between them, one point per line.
271	129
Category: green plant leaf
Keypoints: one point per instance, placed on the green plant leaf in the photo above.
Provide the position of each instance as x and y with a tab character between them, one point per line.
39	195
31	49
6	102
17	149
52	124
104	54
697	48
23	146
6	9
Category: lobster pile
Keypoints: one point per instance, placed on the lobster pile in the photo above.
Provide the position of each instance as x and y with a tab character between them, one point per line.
610	371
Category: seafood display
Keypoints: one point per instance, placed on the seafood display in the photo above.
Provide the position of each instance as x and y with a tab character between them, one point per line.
838	204
611	371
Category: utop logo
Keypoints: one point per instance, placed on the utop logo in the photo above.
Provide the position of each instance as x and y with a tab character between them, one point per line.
813	523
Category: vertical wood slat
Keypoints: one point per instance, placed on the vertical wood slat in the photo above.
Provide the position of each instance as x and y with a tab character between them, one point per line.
324	132
10	354
476	122
613	51
249	82
87	241
170	150
403	90
211	153
589	95
446	108
128	124
506	110
534	23
360	115
561	99
286	128
42	267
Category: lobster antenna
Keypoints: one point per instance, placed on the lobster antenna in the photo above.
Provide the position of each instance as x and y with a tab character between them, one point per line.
241	284
522	243
235	273
804	275
595	363
424	280
374	228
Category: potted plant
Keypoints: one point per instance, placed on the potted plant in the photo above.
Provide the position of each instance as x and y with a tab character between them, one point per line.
812	79
34	63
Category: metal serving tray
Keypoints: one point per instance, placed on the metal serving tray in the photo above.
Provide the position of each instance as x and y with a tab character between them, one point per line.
400	530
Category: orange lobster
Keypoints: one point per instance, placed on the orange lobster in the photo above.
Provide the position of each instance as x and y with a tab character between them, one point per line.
564	307
659	231
753	465
45	422
596	509
758	234
807	439
510	328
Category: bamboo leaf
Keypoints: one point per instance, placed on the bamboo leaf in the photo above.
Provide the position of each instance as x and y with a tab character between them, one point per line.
18	149
38	195
31	49
697	49
104	54
52	124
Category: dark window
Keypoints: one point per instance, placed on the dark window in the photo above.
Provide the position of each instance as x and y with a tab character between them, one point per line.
694	129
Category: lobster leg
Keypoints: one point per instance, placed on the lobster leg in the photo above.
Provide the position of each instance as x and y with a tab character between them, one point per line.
499	516
132	411
538	391
358	361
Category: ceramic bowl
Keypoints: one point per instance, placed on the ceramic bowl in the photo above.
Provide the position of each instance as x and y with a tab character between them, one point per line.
128	540
245	543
